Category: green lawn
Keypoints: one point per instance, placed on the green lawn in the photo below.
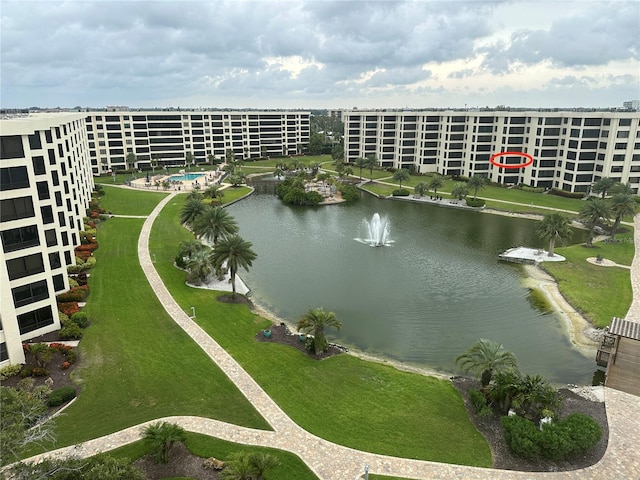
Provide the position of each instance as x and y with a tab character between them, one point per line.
136	364
589	287
121	201
373	407
290	465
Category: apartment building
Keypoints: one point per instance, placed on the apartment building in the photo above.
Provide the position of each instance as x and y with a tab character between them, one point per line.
45	187
570	150
167	136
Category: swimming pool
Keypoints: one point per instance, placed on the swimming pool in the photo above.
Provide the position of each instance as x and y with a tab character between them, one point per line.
187	176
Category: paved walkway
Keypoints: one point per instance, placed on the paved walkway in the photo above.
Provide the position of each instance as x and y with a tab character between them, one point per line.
634	310
330	461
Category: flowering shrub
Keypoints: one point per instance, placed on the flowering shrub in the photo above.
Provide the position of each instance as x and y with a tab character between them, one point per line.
65	365
39	372
68	308
76	294
60	347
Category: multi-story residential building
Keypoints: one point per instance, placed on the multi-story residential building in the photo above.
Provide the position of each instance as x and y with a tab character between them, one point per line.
167	137
570	150
45	187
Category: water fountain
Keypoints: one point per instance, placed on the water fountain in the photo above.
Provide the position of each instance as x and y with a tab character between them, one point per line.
377	231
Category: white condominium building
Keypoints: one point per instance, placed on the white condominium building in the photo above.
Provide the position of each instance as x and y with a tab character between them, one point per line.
167	136
570	150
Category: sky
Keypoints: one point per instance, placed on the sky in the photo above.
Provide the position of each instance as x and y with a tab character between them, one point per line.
319	54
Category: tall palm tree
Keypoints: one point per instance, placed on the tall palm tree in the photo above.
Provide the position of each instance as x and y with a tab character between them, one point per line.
163	436
592	212
401	175
484	358
622	188
603	185
200	266
236	253
213	223
372	162
477	183
191	209
361	163
459	190
436	183
130	160
552	227
622	204
315	321
421	188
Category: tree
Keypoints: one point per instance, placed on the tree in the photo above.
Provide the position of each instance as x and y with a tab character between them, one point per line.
477	183
192	208
316	321
236	253
552	227
130	161
337	153
262	463
316	142
314	166
214	192
154	162
421	188
162	436
484	358
188	248
361	163
436	183
213	223
199	266
23	419
188	159
622	204
238	467
211	159
101	466
401	175
459	190
592	212
372	162
603	185
622	188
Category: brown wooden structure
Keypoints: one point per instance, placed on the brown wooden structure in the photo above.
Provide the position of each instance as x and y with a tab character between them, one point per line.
619	352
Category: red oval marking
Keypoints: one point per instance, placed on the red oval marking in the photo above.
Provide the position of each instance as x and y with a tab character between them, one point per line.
504	165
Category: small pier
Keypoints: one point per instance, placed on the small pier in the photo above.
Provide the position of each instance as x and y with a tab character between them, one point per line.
529	256
619	352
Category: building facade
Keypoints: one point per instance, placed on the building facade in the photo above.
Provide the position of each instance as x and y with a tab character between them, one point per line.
167	137
570	150
45	187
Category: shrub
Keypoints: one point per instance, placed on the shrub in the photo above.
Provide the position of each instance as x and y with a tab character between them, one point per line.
63	318
68	308
479	403
475	203
81	319
79	267
10	371
70	331
180	262
26	372
81	278
562	193
583	432
39	372
61	395
65	365
400	192
71	356
349	193
76	294
89	264
522	436
60	347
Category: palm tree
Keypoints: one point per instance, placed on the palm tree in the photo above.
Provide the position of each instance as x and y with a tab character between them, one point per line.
213	192
459	190
314	166
238	467
213	223
477	182
192	208
592	212
484	358
315	321
261	463
361	163
505	386
199	266
603	185
622	204
190	247
552	227
130	161
421	188
188	159
163	436
401	175
235	252
436	183
622	188
372	162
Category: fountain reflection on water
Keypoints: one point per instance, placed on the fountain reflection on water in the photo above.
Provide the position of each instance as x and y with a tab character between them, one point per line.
377	231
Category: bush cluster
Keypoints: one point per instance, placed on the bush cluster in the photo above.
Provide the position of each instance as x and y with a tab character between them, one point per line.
479	403
76	294
33	372
400	192
562	193
10	371
569	437
81	319
61	395
475	203
68	308
349	193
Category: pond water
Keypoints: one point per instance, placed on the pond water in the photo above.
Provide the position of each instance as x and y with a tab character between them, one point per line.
435	289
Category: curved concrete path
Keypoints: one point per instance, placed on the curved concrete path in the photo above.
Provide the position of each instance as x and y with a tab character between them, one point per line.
328	460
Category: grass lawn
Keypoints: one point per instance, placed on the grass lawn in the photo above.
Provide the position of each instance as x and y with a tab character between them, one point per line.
290	465
121	201
234	193
589	287
136	363
372	407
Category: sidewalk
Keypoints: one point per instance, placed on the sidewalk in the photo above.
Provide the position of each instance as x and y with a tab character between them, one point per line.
328	460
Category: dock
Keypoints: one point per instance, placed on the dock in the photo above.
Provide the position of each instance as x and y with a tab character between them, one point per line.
619	352
529	256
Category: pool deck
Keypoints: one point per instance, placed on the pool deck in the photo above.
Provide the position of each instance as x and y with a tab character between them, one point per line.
532	256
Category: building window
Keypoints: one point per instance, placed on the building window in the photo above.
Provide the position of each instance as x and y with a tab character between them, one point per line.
30	321
25	266
12	178
19	238
11	147
38	165
43	190
51	237
47	214
58	283
33	292
54	260
16	208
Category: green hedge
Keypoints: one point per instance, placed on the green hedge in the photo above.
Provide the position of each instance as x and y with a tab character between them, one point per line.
61	395
562	193
400	193
475	203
